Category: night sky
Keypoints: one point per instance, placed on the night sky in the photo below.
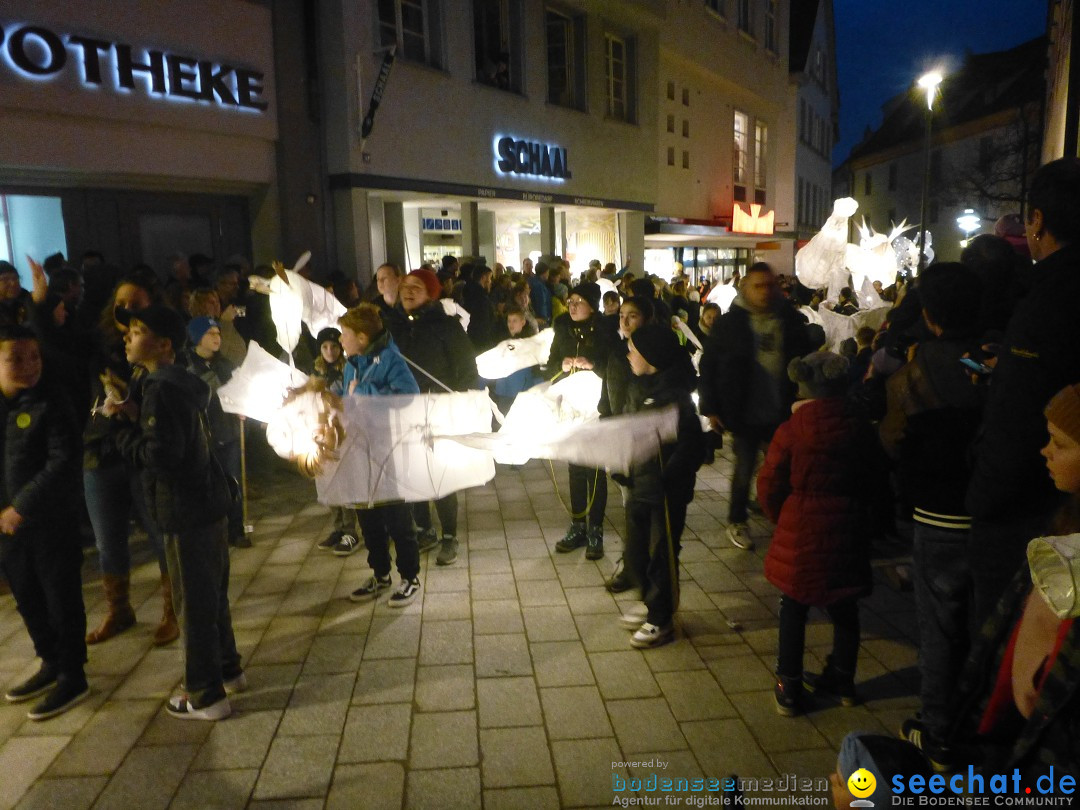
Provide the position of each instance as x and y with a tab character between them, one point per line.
882	47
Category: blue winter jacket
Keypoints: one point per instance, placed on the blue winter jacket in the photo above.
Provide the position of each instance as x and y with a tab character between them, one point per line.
380	370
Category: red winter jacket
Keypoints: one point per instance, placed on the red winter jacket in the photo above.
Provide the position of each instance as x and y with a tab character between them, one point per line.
817	484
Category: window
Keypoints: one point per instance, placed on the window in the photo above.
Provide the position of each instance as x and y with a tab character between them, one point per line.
685	159
800	215
770	26
743	17
866	184
761	147
621	78
740	154
686	96
892	176
409	25
497	43
802	120
671	91
671	124
671	156
715	6
685	128
565	59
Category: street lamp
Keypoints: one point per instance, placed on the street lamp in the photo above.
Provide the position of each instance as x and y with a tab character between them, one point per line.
928	82
968	222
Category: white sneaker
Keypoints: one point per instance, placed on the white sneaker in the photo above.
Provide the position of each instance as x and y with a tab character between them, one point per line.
405	593
739	536
180	707
651	635
634	618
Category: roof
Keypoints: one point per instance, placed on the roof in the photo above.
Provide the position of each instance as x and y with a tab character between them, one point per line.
803	16
987	83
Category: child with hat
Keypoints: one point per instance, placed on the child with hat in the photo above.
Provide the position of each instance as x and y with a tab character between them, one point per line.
819	475
329	367
662	487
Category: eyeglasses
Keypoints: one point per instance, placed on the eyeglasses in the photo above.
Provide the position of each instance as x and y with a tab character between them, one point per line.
577	302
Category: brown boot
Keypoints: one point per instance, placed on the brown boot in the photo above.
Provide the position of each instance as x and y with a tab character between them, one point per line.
167	631
120	616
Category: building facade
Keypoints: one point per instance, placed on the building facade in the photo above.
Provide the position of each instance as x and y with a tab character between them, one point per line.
1062	132
137	131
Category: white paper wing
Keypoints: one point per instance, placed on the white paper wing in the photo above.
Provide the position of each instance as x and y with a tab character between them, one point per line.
454	310
257	388
515	354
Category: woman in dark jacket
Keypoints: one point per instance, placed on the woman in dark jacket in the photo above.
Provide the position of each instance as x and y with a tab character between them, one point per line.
441	358
581	344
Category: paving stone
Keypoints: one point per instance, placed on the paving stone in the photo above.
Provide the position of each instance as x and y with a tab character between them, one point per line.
343	616
446	642
318	705
713	577
584	770
529	798
287	640
742	673
156	676
773	731
397	637
575	712
387	680
447	579
583	574
334	654
297	767
508	702
240	743
540	593
534	568
515	756
623	675
677	655
269	686
552	623
445	688
600	632
375	786
446	606
585	601
374	733
22	761
443	739
676	765
694	695
494	561
726	746
215	789
148	778
561	663
453	789
491	586
72	793
497	616
101	745
502	655
645	726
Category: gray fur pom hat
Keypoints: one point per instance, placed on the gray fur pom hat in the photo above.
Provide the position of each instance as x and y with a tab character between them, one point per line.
819	375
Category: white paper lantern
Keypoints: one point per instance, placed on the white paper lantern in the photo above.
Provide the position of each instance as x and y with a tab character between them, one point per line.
515	354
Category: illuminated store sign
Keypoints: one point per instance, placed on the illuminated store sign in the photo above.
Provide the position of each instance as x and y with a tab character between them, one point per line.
34	52
527	157
754	222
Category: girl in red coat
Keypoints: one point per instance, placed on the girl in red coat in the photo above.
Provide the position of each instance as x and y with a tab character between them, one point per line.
816	484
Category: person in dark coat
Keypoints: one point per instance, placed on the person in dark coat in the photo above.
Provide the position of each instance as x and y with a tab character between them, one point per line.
815	485
744	384
40	554
1010	493
166	439
581	344
441	358
476	299
663	486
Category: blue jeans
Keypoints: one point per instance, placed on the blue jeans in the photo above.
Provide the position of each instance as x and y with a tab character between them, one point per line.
942	579
111	492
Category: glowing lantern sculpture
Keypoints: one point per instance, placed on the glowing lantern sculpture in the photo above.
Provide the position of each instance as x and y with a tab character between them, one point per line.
257	389
722	295
821	262
515	354
294	299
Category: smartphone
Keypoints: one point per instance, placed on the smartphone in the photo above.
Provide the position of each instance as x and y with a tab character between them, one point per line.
978	368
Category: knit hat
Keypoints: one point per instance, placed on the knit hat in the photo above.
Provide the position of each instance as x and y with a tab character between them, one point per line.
329	333
431	282
1063	411
658	345
197	327
590	291
819	375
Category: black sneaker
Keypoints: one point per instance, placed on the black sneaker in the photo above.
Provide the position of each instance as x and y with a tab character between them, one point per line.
937	753
594	543
330	541
620	581
346	545
405	593
574	538
37	684
427	539
788	696
67	693
447	551
240	541
830	683
370	589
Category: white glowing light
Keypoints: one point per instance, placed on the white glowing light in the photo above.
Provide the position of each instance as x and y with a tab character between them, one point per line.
515	354
930	82
968	221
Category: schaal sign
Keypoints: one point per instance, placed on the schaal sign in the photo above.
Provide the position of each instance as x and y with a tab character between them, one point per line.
529	157
39	53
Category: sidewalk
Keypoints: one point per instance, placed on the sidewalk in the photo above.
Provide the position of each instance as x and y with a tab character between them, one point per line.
508	684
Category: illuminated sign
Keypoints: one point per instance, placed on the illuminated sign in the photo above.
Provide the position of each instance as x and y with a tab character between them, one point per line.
753	222
528	157
441	225
34	52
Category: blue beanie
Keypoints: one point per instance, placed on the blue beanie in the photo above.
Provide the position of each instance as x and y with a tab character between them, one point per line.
198	327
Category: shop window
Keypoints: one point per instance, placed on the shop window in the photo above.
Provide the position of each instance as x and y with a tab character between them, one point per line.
770	26
761	156
743	17
685	159
671	156
413	26
740	154
685	128
497	43
715	6
619	72
565	58
30	225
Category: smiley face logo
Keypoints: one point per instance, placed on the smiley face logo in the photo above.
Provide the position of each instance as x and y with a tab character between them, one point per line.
861	783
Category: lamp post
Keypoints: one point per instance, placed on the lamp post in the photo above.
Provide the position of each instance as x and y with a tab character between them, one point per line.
968	222
928	82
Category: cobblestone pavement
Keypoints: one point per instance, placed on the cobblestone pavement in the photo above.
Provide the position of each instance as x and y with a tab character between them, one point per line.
508	684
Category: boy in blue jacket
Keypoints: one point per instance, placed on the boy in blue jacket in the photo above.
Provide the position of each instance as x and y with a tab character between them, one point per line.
375	367
39	550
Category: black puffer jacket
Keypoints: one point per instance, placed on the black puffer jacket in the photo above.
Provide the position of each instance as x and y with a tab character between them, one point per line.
588	339
41	454
436	342
671	474
170	448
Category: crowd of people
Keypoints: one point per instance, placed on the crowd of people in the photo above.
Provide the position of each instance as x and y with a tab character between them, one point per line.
936	421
